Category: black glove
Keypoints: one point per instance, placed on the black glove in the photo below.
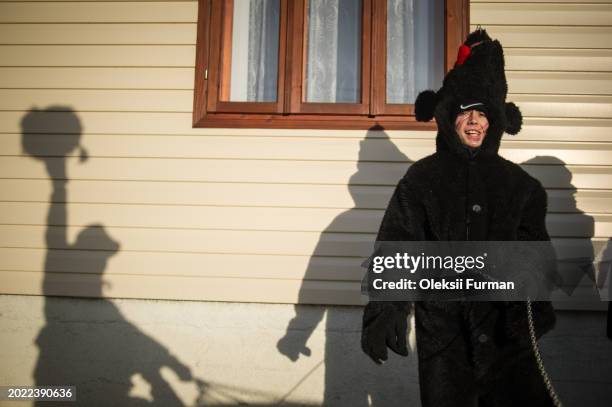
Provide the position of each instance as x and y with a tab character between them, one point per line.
384	324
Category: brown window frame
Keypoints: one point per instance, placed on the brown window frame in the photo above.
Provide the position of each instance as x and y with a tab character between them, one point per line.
290	111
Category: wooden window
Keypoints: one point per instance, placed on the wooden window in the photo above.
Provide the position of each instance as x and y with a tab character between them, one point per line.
331	64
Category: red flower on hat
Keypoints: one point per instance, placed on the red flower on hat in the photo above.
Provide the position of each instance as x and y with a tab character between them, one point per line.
463	54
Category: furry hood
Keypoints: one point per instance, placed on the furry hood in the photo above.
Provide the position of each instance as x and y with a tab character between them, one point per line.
478	75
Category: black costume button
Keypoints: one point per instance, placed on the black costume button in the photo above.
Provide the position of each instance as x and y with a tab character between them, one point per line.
482	338
476	208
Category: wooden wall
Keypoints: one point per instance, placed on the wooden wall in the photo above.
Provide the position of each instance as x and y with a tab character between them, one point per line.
250	215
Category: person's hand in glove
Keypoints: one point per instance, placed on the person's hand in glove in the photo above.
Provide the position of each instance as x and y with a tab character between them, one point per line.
384	325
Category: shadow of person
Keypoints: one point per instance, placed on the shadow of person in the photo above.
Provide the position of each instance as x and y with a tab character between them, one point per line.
604	280
576	353
575	252
87	343
351	378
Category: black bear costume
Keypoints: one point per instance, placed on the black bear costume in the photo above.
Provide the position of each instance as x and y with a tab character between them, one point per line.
470	353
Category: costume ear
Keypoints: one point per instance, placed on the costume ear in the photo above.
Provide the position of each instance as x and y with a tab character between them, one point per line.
425	105
514	119
479	35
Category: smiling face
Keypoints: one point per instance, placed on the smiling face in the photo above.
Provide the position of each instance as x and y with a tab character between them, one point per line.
471	127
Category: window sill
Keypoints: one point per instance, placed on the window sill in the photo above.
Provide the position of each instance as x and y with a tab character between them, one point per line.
332	122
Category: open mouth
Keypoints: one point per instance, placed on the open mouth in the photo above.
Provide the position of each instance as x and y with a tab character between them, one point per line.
473	134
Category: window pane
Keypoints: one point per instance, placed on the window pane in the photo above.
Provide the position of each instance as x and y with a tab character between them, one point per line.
333	65
254	51
415	48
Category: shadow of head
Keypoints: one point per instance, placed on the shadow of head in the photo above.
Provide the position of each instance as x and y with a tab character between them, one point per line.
51	132
377	146
561	176
90	254
376	154
95	236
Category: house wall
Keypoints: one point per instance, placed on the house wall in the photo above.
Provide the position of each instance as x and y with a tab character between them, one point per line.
155	210
249	215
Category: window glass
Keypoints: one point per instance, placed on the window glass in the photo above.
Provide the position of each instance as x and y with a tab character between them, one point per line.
329	64
415	48
254	51
333	57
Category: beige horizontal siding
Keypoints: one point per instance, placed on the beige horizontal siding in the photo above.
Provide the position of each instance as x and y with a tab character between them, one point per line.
99	12
194	240
53	1
116	34
271	171
538	36
301	148
99	55
147	100
205	265
232	265
170	123
255	195
187	288
338	278
259	218
531	1
99	100
260	242
255	214
567	106
555	53
584	14
97	78
555	59
222	289
570	83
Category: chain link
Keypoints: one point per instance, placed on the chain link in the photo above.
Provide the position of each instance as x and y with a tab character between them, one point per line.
538	357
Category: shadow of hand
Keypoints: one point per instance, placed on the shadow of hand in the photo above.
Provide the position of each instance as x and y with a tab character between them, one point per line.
292	348
183	372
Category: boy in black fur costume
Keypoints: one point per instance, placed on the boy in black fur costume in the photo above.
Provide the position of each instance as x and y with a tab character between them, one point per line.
470	353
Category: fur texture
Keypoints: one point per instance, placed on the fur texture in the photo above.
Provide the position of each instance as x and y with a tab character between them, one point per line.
470	348
514	119
481	77
432	202
425	105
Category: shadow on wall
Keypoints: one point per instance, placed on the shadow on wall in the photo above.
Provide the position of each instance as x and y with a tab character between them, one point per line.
88	343
576	255
604	280
576	353
351	378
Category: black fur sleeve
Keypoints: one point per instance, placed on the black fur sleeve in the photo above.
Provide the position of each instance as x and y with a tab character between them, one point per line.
533	228
403	221
405	216
533	220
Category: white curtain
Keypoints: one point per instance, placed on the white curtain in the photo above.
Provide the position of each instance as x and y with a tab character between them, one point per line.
415	48
263	50
333	66
255	37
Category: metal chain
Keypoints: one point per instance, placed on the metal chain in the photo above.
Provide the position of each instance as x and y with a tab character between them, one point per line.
538	357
